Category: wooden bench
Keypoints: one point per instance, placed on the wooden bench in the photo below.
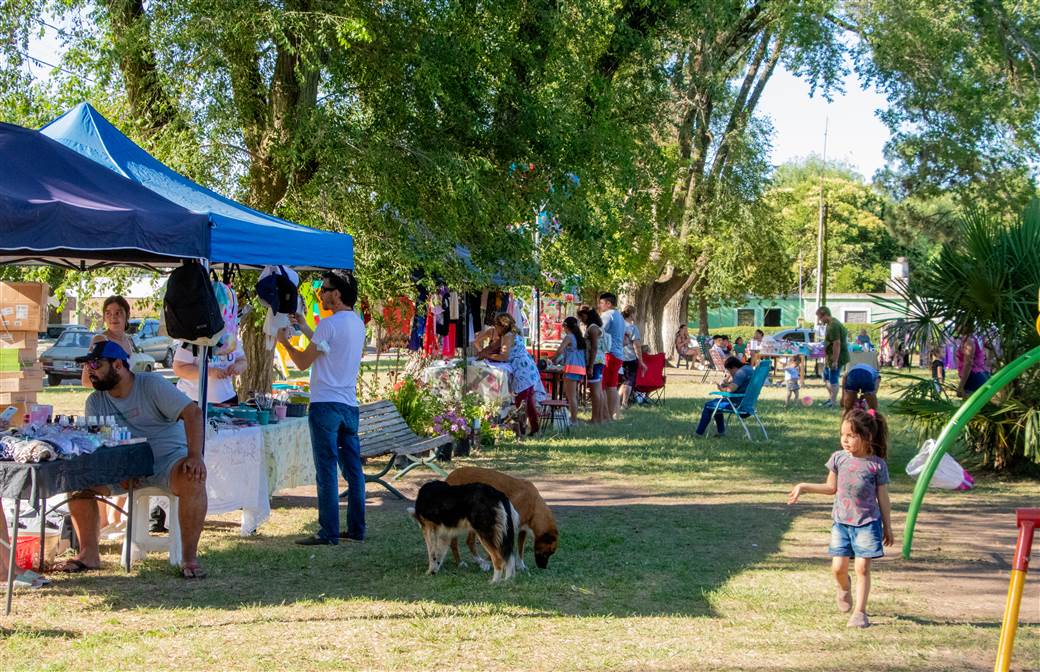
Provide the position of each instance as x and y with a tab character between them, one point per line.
383	432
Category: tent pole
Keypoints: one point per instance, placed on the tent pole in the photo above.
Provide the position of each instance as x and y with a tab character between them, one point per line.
203	386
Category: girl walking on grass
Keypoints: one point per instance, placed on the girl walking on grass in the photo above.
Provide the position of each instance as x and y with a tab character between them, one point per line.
858	479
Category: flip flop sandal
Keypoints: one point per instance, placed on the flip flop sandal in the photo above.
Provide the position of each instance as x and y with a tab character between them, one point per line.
192	572
73	567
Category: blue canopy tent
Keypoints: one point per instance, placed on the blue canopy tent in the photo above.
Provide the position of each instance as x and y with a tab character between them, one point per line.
56	207
239	234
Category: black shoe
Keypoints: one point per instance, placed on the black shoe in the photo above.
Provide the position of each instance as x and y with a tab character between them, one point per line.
345	537
158	519
315	541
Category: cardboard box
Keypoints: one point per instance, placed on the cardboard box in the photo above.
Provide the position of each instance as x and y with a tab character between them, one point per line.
17	398
19	340
26	380
23	306
18	350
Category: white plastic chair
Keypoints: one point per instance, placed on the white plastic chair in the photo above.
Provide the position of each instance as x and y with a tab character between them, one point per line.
142	542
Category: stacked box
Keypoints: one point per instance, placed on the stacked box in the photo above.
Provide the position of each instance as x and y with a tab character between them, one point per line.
23	315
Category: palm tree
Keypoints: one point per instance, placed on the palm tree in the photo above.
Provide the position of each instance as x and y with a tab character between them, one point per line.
986	281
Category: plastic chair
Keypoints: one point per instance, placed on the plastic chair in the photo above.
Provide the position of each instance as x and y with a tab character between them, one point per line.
652	381
142	542
745	405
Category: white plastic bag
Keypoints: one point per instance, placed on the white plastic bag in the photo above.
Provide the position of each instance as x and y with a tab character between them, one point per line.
949	475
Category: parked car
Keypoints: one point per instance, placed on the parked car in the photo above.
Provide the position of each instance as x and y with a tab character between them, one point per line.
47	339
797	335
145	333
59	361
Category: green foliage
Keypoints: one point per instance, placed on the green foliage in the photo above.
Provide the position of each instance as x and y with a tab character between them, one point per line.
416	404
986	281
859	244
961	80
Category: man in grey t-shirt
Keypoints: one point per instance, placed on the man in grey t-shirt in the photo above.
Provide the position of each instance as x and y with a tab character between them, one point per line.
154	409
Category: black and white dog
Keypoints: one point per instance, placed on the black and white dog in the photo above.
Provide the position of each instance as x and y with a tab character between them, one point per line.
447	511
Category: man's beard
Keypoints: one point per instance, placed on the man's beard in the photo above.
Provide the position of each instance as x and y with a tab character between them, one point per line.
107	383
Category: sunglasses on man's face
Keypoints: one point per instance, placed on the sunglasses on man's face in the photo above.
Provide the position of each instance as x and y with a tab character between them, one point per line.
94	363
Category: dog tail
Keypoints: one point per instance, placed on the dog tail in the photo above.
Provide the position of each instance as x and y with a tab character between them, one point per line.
507	524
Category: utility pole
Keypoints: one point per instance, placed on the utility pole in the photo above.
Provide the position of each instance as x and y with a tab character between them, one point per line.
821	231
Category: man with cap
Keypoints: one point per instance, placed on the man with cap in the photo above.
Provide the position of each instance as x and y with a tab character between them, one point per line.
151	408
334	357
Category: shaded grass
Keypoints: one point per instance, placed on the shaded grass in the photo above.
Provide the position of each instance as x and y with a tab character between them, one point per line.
675	554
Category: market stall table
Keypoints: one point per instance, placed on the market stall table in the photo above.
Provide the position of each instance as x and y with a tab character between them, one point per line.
237	475
288	459
37	482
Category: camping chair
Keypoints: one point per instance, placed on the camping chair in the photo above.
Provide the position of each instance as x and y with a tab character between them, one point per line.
651	382
718	363
746	404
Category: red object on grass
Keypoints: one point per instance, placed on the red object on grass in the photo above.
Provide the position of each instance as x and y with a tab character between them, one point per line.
652	379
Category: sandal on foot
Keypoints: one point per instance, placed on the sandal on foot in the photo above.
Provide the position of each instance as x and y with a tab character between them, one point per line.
193	571
73	566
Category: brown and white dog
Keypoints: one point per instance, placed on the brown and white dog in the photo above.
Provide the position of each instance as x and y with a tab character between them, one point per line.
445	511
535	517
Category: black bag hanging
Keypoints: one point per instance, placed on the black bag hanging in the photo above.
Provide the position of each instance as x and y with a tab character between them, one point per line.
278	291
190	309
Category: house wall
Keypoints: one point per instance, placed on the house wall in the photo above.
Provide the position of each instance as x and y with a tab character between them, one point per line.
855	308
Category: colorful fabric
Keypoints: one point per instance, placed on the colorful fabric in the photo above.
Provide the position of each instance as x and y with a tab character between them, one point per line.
573	358
525	371
855	502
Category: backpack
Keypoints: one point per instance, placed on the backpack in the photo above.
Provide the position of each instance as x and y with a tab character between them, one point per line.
190	309
228	303
279	292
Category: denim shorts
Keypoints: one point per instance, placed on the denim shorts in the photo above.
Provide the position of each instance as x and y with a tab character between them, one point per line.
597	373
860	380
832	376
857	541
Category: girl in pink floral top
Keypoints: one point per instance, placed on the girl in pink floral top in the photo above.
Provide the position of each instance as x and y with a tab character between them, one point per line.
858	479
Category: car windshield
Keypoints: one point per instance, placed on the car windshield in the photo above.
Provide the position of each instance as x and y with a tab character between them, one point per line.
75	339
55	332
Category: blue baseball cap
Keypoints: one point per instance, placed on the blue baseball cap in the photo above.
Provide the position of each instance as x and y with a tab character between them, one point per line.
104	350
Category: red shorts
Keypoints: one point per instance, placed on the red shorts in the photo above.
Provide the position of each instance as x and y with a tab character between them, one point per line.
610	372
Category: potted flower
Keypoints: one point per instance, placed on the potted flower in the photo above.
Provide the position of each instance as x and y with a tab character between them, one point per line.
455	425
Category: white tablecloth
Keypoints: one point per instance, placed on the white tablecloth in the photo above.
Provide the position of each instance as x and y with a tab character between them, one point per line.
236	475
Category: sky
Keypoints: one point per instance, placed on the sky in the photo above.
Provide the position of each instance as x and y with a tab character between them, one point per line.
854	132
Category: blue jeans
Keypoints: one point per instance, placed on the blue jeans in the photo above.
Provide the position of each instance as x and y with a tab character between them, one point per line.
334	440
720	418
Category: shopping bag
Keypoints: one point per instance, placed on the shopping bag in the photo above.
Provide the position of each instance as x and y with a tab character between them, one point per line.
949	475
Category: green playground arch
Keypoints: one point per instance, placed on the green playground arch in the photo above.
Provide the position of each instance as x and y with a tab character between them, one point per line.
968	410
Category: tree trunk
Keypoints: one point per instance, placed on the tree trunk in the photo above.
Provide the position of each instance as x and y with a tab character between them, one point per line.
702	315
257	377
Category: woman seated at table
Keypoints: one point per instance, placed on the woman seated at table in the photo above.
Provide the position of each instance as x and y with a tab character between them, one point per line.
222	370
524	380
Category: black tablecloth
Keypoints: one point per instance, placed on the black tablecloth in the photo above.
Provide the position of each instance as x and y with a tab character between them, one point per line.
105	466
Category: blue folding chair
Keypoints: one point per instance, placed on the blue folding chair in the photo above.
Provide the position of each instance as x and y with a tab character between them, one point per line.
744	405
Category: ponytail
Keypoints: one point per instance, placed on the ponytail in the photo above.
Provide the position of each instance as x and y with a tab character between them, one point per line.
872	426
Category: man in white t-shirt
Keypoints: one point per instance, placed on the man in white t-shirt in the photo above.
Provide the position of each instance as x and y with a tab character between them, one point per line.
222	371
335	353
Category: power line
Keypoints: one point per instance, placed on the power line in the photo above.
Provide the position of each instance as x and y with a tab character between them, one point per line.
40	61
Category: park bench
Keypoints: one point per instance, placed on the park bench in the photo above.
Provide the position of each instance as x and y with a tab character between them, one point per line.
383	432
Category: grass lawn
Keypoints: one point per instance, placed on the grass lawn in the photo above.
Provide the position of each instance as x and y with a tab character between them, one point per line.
675	553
